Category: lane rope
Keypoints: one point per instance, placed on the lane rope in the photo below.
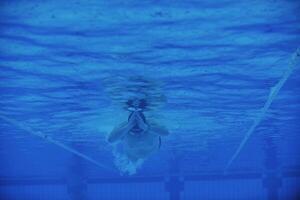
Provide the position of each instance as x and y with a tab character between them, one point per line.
272	95
55	142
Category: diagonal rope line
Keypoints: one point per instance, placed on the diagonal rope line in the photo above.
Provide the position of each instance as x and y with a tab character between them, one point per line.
55	142
273	93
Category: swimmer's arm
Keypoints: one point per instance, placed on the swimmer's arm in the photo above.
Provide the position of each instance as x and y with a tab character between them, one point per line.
158	130
118	132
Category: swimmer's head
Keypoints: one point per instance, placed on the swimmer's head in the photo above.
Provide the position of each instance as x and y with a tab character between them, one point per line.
136	104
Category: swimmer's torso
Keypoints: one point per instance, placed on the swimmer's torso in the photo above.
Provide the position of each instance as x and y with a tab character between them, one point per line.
140	144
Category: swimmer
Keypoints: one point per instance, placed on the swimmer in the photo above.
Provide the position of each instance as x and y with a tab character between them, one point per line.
139	137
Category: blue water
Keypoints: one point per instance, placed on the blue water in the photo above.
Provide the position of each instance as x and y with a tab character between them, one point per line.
222	76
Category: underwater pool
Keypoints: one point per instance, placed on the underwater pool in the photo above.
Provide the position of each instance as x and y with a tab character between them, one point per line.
218	90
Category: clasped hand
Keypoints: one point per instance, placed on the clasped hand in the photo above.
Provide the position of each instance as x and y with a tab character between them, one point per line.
136	120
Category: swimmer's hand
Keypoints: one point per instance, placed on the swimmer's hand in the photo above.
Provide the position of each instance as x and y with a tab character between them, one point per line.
139	121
